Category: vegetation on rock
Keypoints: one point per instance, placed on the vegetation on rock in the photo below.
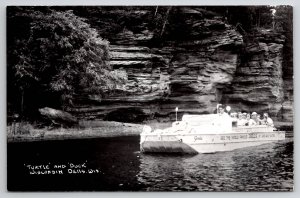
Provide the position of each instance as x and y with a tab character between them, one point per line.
173	56
58	53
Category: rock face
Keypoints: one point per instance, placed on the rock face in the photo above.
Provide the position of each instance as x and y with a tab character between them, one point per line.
58	116
207	63
259	84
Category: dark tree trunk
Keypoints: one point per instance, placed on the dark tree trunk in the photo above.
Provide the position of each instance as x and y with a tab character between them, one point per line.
165	22
156	11
22	101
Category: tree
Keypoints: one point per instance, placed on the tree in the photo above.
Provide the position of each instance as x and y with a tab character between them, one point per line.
58	52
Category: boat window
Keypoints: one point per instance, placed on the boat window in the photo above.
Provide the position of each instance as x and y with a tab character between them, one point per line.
234	123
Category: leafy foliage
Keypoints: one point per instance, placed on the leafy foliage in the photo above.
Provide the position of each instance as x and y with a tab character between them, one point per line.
61	53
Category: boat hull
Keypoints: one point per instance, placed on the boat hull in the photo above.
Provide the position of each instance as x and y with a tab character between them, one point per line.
205	143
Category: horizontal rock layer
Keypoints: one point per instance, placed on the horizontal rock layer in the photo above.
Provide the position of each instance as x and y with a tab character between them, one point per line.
258	84
210	64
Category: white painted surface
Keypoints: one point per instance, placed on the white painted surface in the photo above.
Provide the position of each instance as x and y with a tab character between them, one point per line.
201	134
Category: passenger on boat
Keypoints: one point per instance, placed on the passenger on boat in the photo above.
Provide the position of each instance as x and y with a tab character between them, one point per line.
224	120
244	116
248	118
259	120
268	121
241	120
234	116
240	115
253	120
220	109
222	112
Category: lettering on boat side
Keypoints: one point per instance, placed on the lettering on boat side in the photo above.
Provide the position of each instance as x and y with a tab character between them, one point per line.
198	138
233	137
267	135
245	136
253	135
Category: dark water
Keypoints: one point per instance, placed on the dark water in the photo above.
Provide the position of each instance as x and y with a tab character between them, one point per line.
122	167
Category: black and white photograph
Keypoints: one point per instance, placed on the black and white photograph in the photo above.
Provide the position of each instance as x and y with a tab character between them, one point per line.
161	98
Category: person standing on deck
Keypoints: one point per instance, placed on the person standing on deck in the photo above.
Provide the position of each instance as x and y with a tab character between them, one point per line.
224	120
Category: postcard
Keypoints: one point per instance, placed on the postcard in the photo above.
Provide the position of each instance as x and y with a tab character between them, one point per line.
150	98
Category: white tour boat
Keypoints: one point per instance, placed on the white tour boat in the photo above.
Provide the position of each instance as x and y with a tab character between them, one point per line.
206	134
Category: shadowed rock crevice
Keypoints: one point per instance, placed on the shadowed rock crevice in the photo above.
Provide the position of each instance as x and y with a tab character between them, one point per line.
128	115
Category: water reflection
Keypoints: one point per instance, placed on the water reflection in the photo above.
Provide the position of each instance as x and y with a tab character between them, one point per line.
267	167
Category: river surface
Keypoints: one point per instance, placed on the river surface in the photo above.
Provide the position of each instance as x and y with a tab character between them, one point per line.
115	164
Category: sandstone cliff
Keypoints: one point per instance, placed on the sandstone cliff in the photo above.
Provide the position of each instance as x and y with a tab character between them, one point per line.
206	63
259	84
